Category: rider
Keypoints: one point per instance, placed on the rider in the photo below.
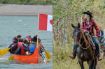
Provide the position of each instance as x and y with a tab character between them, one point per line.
89	26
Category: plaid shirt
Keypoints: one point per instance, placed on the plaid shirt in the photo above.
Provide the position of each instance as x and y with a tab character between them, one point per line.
90	27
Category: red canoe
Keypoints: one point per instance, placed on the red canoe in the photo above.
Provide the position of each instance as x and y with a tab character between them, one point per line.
28	59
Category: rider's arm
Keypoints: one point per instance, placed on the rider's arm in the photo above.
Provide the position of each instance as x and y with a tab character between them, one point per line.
96	28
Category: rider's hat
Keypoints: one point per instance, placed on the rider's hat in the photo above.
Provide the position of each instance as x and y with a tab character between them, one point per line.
88	13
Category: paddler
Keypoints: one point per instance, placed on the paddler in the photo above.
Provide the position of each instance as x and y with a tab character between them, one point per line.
29	39
21	47
32	46
41	48
16	39
13	47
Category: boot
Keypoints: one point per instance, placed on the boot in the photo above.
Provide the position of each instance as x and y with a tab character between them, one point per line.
99	57
73	55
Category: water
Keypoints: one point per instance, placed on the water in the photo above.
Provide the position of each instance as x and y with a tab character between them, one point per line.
11	26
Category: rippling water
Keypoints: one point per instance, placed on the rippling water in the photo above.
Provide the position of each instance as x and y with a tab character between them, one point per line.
11	26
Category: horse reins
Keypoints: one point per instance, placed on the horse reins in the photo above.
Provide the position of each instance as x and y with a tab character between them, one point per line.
84	41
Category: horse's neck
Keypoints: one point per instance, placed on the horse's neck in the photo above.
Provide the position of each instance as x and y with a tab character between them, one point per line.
84	38
89	44
86	45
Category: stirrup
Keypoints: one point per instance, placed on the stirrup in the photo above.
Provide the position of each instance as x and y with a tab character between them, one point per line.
72	57
99	58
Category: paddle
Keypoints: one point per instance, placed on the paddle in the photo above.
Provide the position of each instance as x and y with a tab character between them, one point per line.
48	55
10	58
4	51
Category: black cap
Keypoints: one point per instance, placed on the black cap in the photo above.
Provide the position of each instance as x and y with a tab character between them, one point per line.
88	13
19	36
34	39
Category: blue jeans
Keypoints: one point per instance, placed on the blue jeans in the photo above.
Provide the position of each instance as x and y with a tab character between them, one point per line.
96	42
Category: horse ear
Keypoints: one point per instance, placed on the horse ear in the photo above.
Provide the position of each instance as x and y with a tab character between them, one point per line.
73	25
78	25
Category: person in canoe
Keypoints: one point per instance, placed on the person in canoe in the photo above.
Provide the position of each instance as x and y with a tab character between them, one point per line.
17	47
29	39
32	45
16	38
21	47
26	44
13	47
41	47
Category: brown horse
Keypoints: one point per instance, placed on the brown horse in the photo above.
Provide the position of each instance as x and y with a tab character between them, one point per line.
85	51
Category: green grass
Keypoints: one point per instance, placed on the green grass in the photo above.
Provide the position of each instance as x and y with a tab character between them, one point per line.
62	60
71	11
39	2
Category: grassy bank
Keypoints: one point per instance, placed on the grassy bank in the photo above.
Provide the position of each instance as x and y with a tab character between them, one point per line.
65	13
41	2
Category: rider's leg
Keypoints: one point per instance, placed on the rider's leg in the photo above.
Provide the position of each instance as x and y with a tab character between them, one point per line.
96	42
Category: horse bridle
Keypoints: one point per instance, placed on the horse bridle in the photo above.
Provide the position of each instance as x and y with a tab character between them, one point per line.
82	43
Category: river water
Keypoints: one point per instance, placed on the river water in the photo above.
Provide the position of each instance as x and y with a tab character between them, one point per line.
11	26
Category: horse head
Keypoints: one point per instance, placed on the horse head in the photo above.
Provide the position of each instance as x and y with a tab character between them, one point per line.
76	31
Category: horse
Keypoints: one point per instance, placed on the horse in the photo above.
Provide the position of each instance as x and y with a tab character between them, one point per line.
85	51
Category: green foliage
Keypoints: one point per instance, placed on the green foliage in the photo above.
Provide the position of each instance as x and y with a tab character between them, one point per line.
70	11
41	2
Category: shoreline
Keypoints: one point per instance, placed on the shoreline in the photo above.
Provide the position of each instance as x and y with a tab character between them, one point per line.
24	10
